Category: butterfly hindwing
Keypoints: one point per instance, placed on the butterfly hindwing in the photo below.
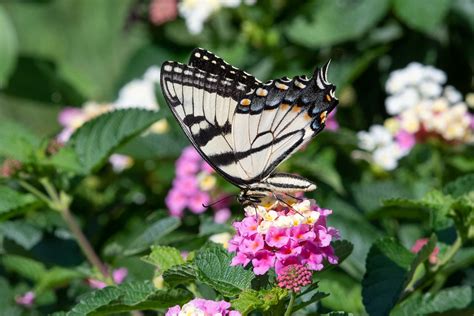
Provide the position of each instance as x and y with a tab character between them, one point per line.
242	127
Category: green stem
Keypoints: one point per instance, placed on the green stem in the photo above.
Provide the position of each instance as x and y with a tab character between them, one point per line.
431	274
56	202
290	304
40	195
83	242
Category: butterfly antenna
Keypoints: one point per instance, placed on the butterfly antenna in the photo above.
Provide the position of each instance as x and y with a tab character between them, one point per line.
218	201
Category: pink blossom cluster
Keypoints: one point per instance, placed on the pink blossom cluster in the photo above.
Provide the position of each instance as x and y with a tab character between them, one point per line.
162	11
420	243
193	187
27	299
278	236
202	307
294	277
118	276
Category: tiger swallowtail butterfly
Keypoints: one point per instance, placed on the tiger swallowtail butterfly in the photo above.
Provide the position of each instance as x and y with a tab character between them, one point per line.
245	128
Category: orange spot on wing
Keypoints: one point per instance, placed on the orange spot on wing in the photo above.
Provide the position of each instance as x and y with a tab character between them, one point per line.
307	117
323	116
245	102
284	106
328	98
296	108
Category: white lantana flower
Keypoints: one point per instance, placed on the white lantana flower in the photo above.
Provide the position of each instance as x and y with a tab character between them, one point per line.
140	93
387	156
196	12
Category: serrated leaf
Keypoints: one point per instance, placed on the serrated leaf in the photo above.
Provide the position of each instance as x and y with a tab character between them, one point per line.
164	257
461	186
181	274
213	268
17	142
247	301
386	270
336	21
26	267
11	200
94	300
94	141
24	234
152	234
159	300
8	47
138	295
262	300
420	15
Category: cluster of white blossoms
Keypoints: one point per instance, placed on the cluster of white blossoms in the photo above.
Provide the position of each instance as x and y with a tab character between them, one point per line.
301	213
422	107
196	12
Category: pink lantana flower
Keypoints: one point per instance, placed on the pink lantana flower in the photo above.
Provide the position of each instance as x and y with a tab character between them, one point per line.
420	243
118	276
202	307
194	187
26	299
278	236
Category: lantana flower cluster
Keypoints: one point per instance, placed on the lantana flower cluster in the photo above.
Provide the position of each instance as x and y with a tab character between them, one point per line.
202	307
277	236
138	93
194	186
196	13
422	107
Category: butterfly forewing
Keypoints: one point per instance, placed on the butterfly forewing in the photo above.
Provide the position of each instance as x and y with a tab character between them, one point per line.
242	127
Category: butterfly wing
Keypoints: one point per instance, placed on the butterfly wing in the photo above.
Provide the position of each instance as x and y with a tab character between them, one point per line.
241	127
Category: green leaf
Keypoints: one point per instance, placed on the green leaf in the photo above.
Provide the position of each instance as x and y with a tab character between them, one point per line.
421	257
453	298
369	196
342	249
213	267
152	234
139	295
17	142
10	201
334	22
386	268
24	234
65	160
94	141
92	301
263	300
354	227
55	277
8	47
164	257
247	301
181	274
461	186
26	267
78	40
421	16
323	168
345	291
316	297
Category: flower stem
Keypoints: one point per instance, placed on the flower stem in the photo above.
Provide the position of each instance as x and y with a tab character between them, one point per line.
83	242
60	203
290	305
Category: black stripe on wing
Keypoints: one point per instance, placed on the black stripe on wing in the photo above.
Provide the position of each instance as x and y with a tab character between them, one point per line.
185	75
